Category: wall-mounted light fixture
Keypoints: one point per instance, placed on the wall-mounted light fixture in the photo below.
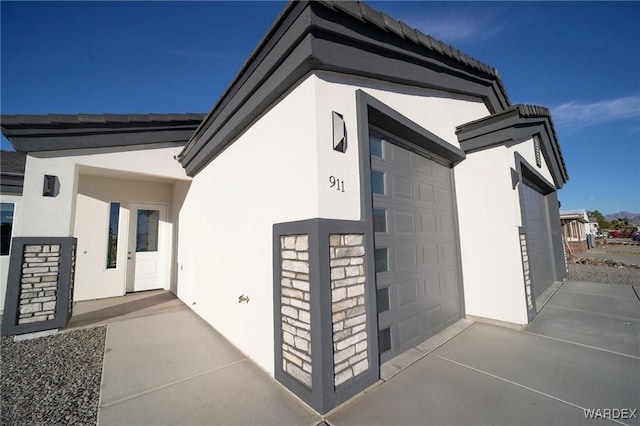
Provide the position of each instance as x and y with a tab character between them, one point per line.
515	178
51	186
339	133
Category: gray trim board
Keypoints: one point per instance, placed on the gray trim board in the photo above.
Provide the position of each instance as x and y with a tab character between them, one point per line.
323	395
518	123
343	38
391	121
64	294
38	133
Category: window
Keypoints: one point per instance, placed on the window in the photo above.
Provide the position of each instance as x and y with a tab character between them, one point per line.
380	258
375	146
377	182
379	220
382	299
147	234
112	243
7	210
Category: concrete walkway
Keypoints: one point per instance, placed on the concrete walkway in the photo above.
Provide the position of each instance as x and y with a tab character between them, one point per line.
164	365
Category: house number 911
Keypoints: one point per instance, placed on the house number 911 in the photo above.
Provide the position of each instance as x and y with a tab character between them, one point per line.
336	183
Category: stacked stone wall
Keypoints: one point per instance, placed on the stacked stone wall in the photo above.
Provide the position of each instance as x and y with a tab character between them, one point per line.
348	308
72	278
295	307
526	270
39	283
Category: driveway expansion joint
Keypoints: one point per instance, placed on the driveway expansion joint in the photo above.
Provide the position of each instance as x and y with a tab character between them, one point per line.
583	409
595	313
582	344
174	382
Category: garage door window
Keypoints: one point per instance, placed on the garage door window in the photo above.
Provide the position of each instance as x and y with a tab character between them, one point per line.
377	182
381	260
382	300
375	146
379	220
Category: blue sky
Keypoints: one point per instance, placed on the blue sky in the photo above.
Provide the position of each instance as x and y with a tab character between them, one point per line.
580	59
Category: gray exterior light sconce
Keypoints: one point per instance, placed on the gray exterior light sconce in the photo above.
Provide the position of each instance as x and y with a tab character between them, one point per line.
339	133
515	178
51	186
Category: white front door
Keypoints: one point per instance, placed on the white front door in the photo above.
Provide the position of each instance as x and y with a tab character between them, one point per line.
147	247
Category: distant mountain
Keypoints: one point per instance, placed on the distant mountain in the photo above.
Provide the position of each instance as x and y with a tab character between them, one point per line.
635	217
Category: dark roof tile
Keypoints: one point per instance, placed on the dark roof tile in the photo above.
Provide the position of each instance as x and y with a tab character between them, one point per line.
372	15
392	25
350	7
70	119
424	40
12	162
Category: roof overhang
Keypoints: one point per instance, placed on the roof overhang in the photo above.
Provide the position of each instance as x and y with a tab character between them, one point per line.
54	132
12	166
573	217
344	37
514	125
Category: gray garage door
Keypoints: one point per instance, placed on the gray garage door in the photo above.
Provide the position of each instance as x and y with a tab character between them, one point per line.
538	239
417	275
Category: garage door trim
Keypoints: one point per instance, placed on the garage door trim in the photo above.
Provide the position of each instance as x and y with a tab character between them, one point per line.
528	175
372	113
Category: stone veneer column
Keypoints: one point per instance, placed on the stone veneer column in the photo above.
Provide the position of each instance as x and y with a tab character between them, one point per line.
39	283
348	306
527	274
326	347
295	307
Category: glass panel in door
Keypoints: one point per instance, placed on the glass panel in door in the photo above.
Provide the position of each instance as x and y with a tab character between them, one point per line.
147	230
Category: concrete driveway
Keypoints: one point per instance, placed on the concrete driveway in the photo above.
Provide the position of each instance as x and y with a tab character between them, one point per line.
581	352
164	365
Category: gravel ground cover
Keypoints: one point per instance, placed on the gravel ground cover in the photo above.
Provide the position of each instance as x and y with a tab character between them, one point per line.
604	274
52	380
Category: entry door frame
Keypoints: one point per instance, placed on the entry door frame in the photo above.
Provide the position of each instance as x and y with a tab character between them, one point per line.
163	244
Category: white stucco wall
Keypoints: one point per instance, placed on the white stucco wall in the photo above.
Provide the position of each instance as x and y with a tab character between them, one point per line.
434	110
527	150
278	171
4	260
65	165
489	217
91	224
225	250
491	258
